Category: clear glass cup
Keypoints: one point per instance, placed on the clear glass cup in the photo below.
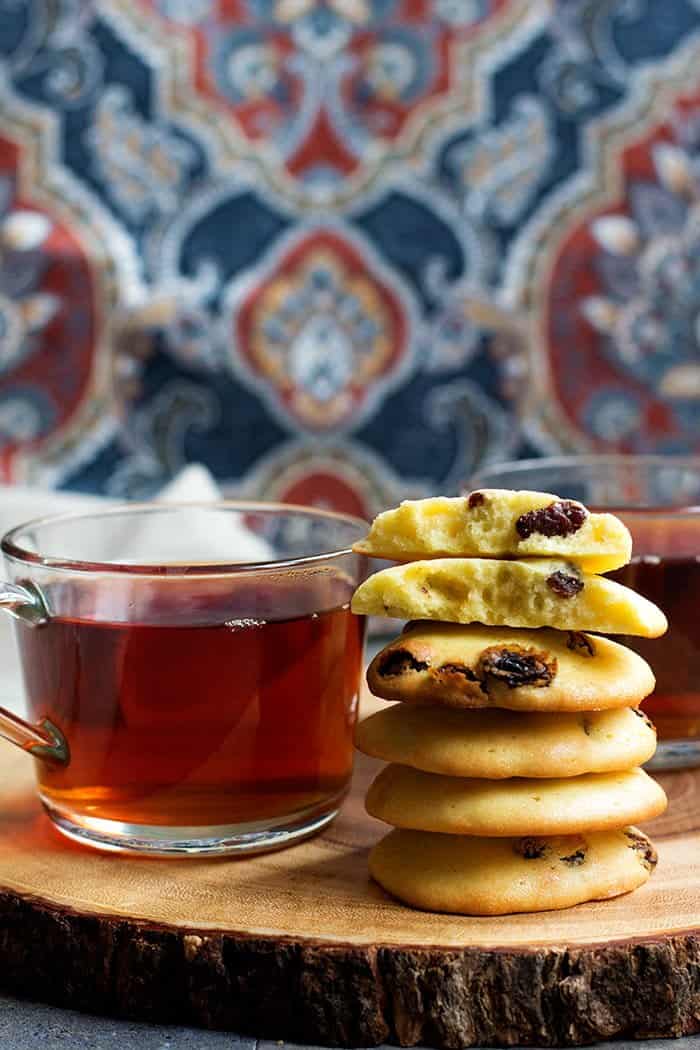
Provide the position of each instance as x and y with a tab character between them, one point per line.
658	498
192	672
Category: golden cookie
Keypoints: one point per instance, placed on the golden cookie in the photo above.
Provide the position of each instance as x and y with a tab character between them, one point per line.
460	665
482	876
499	523
534	593
409	798
499	744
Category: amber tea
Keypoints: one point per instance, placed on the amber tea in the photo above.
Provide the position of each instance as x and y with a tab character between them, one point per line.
230	721
181	703
665	568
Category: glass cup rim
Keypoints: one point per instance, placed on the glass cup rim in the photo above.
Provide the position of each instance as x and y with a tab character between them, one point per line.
589	459
12	549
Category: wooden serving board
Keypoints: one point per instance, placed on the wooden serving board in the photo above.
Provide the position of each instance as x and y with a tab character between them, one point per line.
300	945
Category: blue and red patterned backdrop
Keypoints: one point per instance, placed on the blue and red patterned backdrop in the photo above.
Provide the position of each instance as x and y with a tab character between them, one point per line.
343	251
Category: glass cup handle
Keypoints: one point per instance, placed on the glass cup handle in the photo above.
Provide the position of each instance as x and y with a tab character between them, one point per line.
45	740
23	602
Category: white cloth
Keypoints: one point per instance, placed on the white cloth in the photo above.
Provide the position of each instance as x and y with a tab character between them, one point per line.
205	537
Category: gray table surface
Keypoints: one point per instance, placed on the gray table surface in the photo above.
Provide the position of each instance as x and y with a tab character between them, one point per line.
32	1026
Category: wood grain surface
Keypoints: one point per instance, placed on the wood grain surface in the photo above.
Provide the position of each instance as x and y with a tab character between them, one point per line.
300	945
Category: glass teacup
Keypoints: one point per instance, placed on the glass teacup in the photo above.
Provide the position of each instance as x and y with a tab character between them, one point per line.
191	671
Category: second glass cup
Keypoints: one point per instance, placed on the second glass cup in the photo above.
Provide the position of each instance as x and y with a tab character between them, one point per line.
658	498
182	703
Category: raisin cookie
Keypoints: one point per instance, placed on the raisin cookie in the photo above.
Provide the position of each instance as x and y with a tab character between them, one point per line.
498	744
499	523
458	665
539	592
482	876
409	798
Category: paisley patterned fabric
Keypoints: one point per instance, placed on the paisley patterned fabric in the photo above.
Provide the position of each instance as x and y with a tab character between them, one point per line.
344	251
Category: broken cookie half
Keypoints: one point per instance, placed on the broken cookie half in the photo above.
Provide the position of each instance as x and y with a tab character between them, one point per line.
534	592
499	523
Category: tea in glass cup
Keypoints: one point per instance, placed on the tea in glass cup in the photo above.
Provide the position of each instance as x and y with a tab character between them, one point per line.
187	706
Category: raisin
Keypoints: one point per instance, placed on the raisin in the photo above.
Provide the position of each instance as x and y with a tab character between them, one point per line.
517	666
560	518
563	585
475	500
580	643
586	724
643	848
575	859
530	849
466	672
400	661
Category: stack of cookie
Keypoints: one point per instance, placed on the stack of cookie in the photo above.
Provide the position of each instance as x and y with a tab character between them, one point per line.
514	781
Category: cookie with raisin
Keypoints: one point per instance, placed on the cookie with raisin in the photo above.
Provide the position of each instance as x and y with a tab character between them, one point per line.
499	523
498	744
537	592
486	876
410	798
470	666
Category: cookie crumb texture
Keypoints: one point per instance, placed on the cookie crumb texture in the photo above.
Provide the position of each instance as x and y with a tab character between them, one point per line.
485	876
536	592
499	523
